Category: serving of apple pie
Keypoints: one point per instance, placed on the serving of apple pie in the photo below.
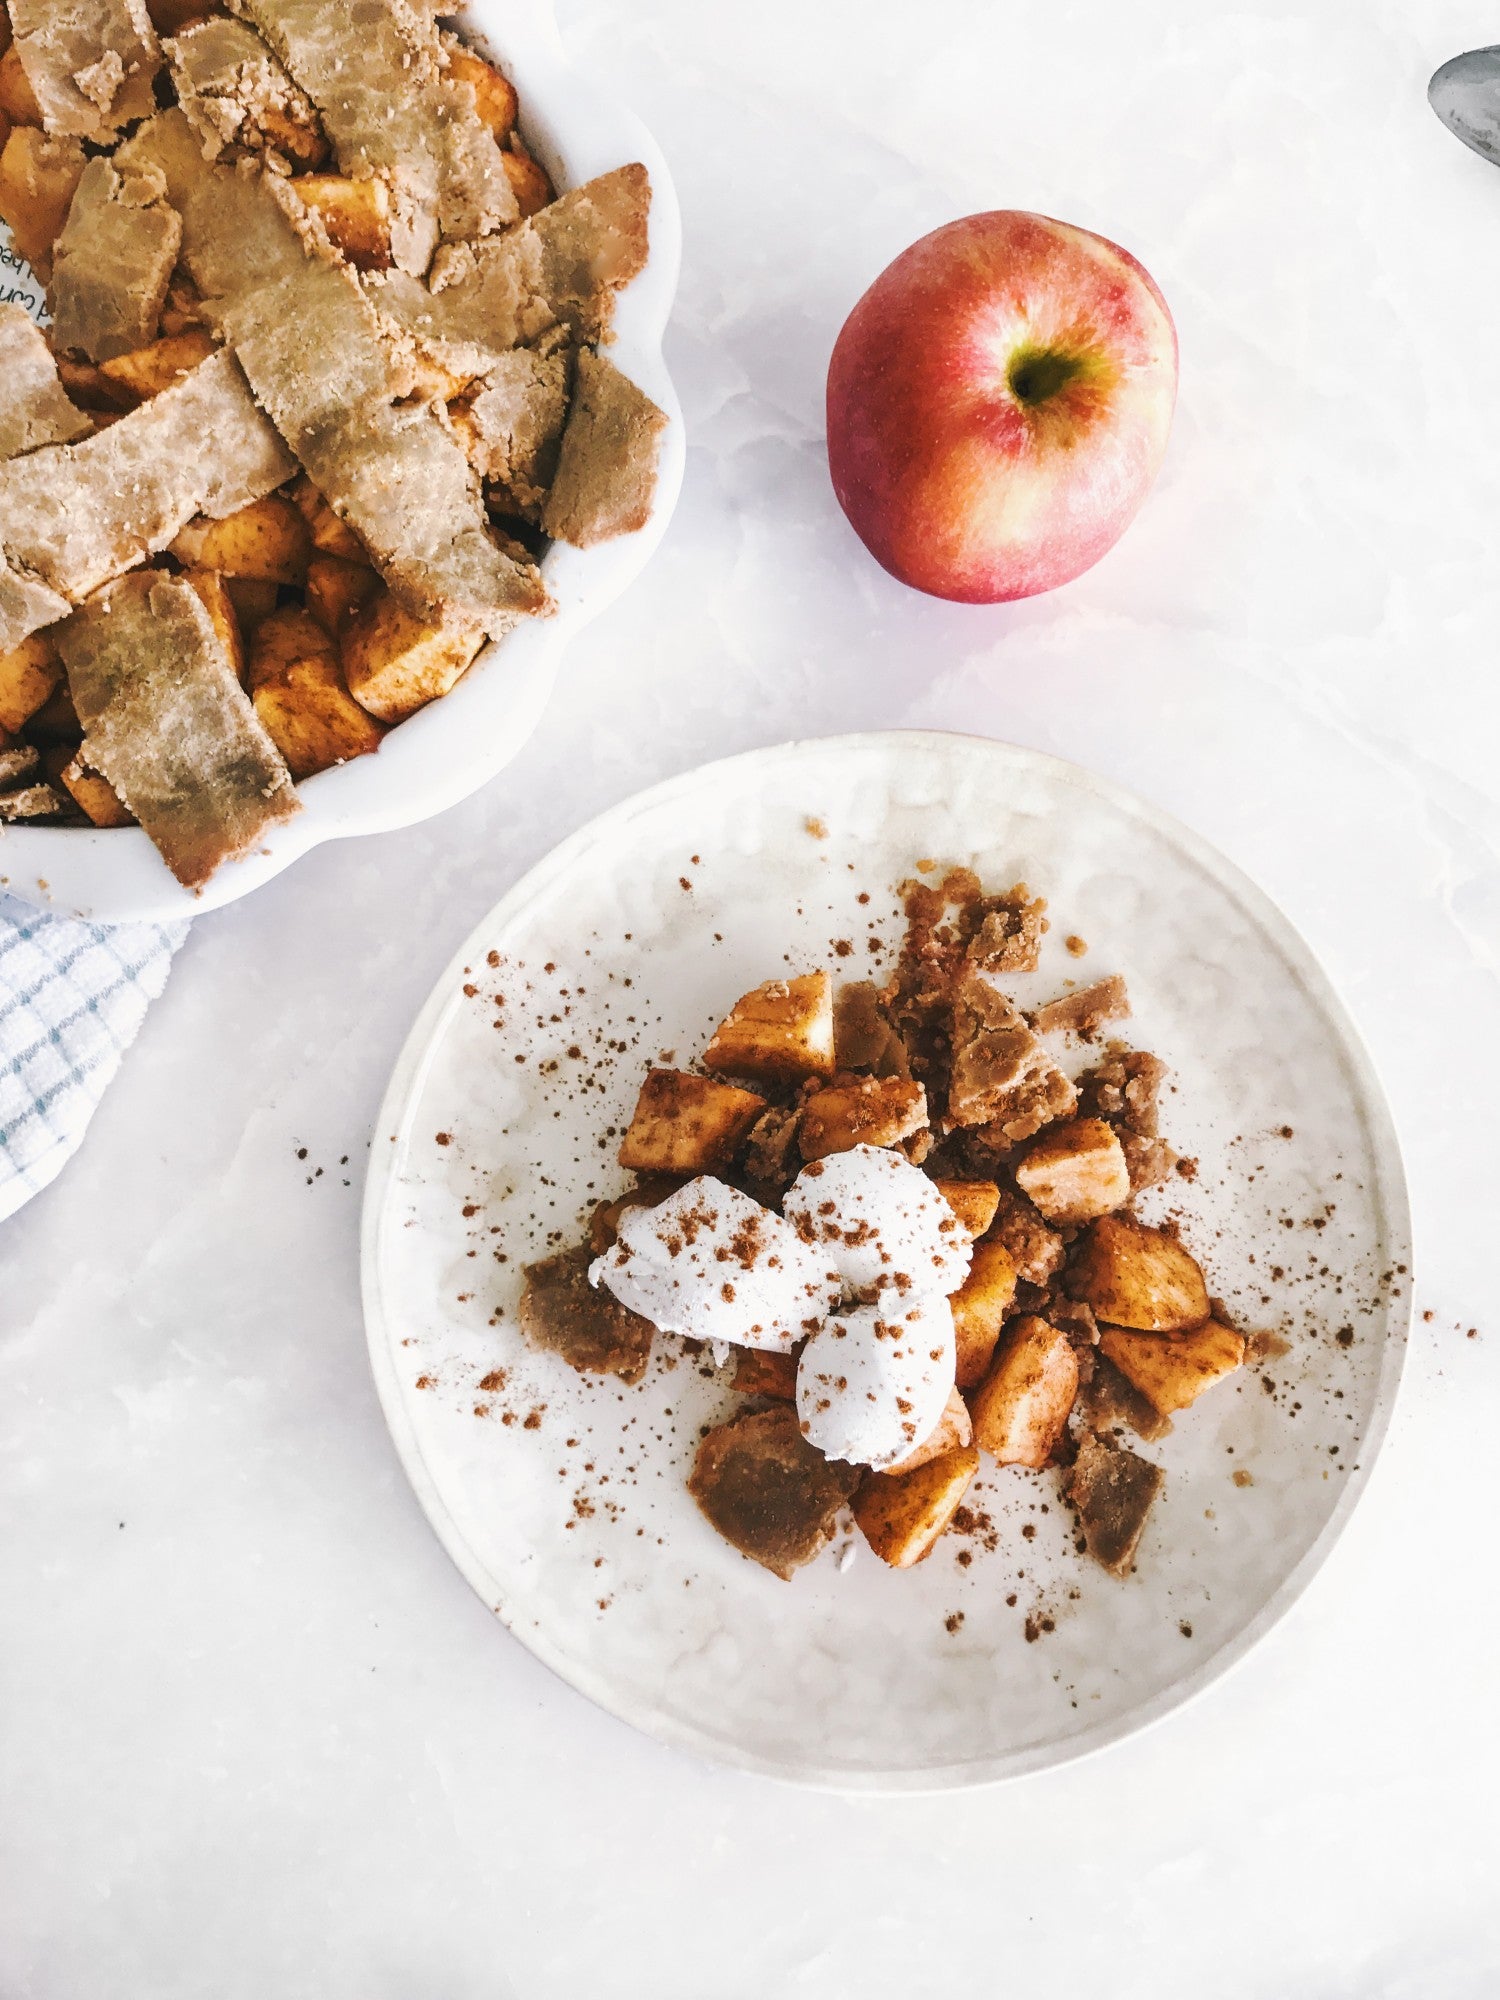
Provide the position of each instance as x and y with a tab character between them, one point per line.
909	1219
325	375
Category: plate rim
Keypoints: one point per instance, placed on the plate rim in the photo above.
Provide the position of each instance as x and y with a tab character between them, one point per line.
409	1072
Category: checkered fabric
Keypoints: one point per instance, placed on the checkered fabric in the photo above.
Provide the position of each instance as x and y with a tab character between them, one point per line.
72	998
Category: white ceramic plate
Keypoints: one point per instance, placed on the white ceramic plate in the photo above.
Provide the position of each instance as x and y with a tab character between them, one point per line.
578	129
632	940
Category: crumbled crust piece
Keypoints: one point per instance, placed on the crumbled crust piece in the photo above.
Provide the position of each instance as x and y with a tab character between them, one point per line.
1148	1161
1084	1012
234	92
34	408
1002	1078
31	802
863	1037
319	364
562	1312
26	605
606	472
1113	1490
1036	1249
758	1372
76	515
772	1158
17	762
113	263
1008	937
1124	1088
90	63
378	75
169	725
168	145
767	1491
512	427
560	268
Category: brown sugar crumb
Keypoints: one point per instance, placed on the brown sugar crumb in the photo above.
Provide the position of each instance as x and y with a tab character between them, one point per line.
492	959
590	1329
1242	1477
953	1622
767	1491
533	1420
425	1382
816	828
1076	946
494	1381
1037	1622
1185	1628
1113	1490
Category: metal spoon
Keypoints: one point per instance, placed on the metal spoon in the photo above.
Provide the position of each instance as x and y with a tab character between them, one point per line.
1465	94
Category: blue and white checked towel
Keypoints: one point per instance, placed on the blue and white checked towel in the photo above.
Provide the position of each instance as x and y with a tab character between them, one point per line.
72	995
72	998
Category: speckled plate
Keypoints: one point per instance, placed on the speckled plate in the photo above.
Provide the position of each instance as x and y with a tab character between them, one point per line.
562	1499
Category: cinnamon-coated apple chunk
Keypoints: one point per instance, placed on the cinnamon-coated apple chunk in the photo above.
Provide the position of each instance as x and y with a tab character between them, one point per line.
1021	1408
1075	1171
781	1032
1171	1374
973	1202
39	176
686	1124
1138	1277
954	1427
94	796
145	371
902	1514
396	662
355	213
213	594
268	540
298	690
979	1308
869	1111
28	675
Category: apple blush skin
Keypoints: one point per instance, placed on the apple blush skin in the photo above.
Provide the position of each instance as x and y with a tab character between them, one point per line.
998	406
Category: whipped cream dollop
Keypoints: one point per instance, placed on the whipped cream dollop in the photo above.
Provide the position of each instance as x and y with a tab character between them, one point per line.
711	1263
881	1221
872	1383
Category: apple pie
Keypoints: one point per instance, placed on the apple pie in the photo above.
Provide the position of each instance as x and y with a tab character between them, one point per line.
907	1212
324	377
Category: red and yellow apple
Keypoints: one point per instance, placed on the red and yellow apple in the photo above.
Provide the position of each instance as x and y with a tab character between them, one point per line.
998	405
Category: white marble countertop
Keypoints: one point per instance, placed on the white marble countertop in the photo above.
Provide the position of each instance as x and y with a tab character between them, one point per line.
256	1735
